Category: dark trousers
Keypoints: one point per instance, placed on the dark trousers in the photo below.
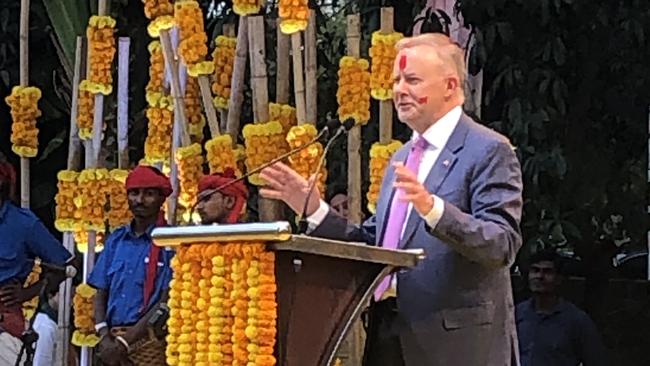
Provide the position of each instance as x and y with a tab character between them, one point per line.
382	346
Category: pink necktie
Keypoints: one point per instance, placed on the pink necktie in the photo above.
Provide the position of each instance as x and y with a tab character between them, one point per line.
398	208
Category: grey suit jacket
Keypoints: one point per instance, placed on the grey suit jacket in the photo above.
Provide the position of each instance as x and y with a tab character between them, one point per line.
456	307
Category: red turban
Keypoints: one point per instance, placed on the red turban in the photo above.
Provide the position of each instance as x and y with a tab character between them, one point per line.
236	190
143	176
8	176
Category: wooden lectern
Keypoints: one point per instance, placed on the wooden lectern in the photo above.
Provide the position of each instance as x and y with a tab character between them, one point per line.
322	285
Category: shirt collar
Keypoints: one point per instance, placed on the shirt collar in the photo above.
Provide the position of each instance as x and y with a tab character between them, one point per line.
147	233
558	308
4	207
439	132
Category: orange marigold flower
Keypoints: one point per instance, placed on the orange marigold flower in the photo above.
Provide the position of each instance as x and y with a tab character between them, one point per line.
306	161
353	94
380	155
223	58
382	55
294	15
23	103
101	51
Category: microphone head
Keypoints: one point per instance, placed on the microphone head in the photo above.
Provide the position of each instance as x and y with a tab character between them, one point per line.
70	272
348	124
332	124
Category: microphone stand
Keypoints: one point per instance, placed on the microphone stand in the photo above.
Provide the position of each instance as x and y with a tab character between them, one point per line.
302	220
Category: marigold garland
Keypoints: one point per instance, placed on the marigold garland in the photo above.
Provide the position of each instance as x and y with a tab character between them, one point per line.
157	146
382	55
190	161
155	8
65	206
29	307
192	47
101	51
85	110
283	113
380	155
81	241
119	213
84	317
294	15
154	86
94	188
247	7
23	102
161	23
195	118
353	94
222	305
223	58
220	154
306	161
264	142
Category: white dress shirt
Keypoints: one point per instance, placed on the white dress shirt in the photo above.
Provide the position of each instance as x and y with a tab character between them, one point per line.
46	344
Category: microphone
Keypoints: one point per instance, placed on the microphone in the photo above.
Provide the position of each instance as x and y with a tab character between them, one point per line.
331	125
68	271
344	128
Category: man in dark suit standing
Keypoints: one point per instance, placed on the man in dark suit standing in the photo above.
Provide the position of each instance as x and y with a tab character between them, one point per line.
454	191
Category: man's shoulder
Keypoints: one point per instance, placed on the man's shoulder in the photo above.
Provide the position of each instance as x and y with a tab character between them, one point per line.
481	136
575	313
523	308
23	215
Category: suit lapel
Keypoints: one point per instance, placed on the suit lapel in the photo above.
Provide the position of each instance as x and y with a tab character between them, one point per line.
383	206
444	164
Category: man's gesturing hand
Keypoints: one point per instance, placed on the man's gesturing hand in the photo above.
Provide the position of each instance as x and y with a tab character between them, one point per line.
285	184
409	189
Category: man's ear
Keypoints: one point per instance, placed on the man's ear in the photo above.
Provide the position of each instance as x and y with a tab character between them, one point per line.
229	202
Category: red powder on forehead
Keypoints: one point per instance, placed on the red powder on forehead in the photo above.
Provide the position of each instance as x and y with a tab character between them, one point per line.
402	62
423	100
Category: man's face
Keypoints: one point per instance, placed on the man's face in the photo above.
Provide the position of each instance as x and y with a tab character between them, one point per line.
420	86
215	208
543	277
339	204
145	202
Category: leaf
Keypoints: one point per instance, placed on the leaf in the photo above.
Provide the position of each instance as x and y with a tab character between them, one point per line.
505	32
68	18
53	145
559	52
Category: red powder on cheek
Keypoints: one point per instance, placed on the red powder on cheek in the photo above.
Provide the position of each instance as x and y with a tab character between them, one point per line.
402	62
423	100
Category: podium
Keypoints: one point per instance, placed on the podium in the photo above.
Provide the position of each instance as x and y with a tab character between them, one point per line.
322	285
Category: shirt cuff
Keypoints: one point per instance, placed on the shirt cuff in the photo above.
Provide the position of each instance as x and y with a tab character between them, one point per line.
315	219
436	212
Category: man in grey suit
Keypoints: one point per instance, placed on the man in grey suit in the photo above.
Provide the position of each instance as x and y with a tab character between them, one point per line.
454	190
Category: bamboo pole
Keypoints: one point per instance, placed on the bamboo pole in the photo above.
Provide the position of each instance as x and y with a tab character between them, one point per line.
269	210
237	84
228	31
24	81
354	136
123	104
386	106
74	163
208	107
282	67
298	78
311	69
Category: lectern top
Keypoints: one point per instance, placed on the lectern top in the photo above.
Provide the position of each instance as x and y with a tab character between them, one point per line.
278	235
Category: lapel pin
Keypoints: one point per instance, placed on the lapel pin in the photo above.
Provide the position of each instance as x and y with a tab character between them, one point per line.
445	163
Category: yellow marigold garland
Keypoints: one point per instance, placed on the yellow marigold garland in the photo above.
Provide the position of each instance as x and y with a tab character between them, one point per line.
192	47
294	15
154	86
175	321
163	22
353	94
157	146
283	113
101	51
264	142
262	305
247	7
23	102
223	58
220	154
190	161
85	110
29	307
155	8
380	155
195	118
306	161
119	213
84	317
93	192
65	207
382	54
81	241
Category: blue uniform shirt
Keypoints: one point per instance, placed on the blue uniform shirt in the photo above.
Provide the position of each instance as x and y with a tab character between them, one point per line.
120	271
23	237
565	337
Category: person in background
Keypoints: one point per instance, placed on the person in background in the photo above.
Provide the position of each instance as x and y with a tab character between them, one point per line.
45	325
23	238
224	206
339	204
132	276
551	330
